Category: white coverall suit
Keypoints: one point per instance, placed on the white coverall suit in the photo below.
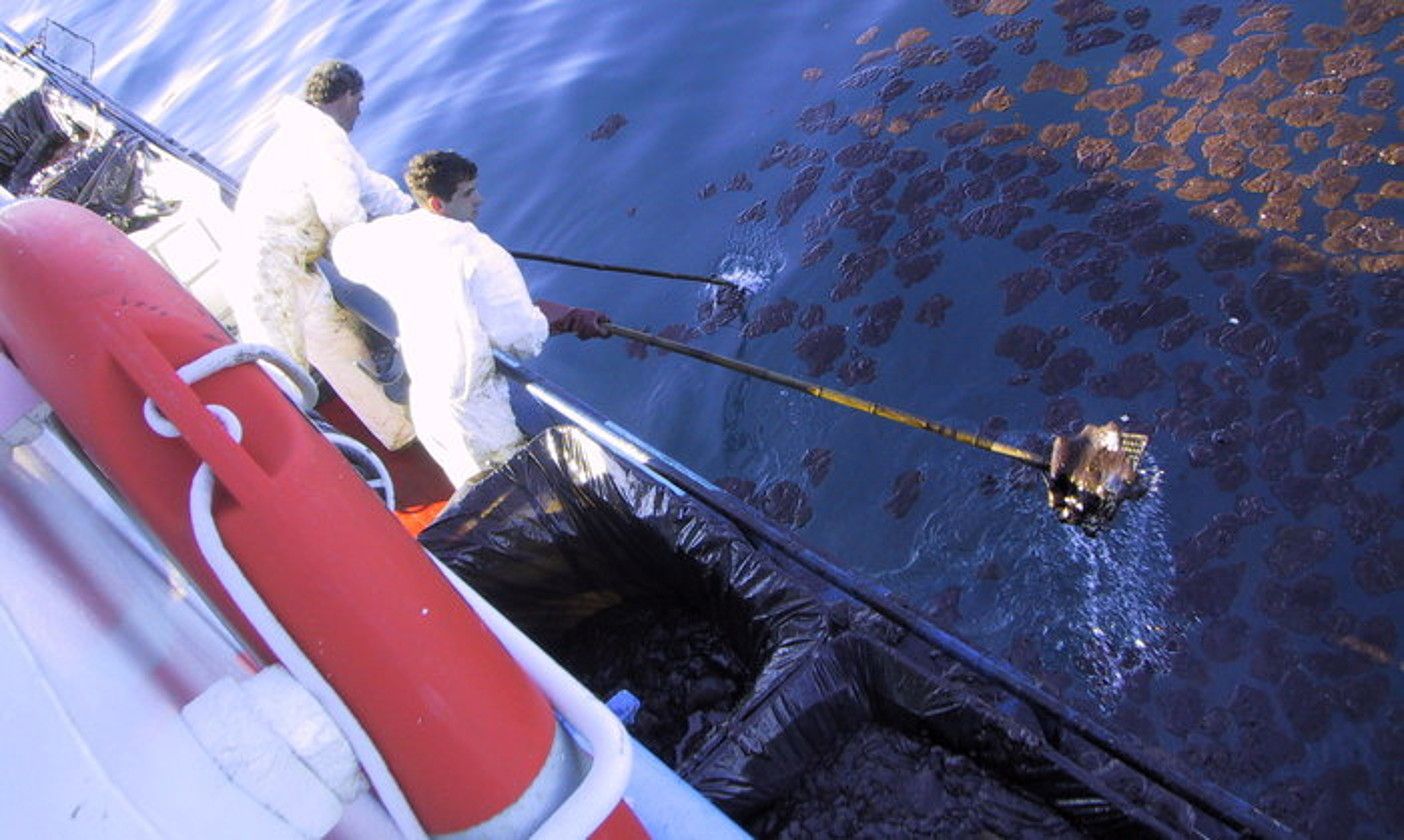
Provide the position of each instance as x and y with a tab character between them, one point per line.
457	296
306	183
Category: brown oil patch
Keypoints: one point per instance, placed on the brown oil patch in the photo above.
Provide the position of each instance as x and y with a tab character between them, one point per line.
1288	254
1118	124
812	74
1357	154
1225	154
1353	128
1307	142
1268	85
1325	37
869	120
1378	94
1270	181
1254	130
1393	190
912	37
1182	129
1007	133
1005	7
1333	183
1095	154
873	57
1199	85
1195	44
997	98
899	125
1372	652
1045	75
1135	66
1282	210
1239	101
1249	54
1228	213
1393	154
1157	155
930	112
1352	63
1153	120
1352	231
1213	122
1305	110
1199	188
1296	64
1058	135
1272	156
1116	98
1324	86
1366	17
867	36
1273	19
1381	263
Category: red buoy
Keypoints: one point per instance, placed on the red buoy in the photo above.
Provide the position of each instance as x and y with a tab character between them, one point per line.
97	327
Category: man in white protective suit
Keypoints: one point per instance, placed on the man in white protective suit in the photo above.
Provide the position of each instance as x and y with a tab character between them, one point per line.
457	295
306	183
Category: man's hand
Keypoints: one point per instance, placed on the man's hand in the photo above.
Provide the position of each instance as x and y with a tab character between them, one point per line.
584	323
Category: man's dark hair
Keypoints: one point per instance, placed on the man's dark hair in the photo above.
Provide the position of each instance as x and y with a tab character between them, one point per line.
438	173
331	80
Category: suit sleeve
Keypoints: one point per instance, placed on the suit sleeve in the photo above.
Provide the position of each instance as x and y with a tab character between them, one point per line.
499	293
335	185
380	195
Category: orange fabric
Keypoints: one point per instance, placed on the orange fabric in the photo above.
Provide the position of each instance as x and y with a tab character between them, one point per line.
416	518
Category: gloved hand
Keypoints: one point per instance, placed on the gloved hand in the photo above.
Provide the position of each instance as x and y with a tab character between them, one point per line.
584	323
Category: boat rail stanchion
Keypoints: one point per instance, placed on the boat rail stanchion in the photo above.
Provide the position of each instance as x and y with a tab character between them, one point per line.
611	752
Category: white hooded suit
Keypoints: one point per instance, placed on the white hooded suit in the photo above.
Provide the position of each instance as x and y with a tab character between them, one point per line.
457	296
306	183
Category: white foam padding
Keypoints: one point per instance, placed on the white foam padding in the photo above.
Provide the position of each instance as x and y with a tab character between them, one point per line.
259	761
296	715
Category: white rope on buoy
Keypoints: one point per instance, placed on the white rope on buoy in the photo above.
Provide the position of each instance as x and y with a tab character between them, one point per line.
295	383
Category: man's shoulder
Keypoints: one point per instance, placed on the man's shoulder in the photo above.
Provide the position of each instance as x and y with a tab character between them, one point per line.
416	233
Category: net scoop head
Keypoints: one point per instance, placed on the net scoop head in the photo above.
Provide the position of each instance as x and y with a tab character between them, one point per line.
1092	472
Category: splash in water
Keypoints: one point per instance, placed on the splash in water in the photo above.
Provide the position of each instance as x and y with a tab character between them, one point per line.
1053	598
1124	579
753	258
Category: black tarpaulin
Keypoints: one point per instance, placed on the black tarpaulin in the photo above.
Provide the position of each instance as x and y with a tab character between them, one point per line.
29	138
756	677
107	179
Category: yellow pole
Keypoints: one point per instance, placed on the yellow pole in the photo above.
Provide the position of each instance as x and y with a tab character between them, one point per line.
856	403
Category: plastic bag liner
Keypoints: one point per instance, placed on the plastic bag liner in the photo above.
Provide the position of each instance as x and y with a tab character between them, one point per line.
566	542
781	673
106	179
29	139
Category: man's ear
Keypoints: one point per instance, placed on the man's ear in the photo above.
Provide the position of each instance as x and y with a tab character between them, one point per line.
436	204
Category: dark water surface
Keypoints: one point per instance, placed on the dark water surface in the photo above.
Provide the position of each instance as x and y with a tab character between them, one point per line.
1004	216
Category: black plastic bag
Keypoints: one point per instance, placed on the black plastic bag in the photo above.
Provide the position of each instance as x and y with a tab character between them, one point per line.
29	139
596	558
